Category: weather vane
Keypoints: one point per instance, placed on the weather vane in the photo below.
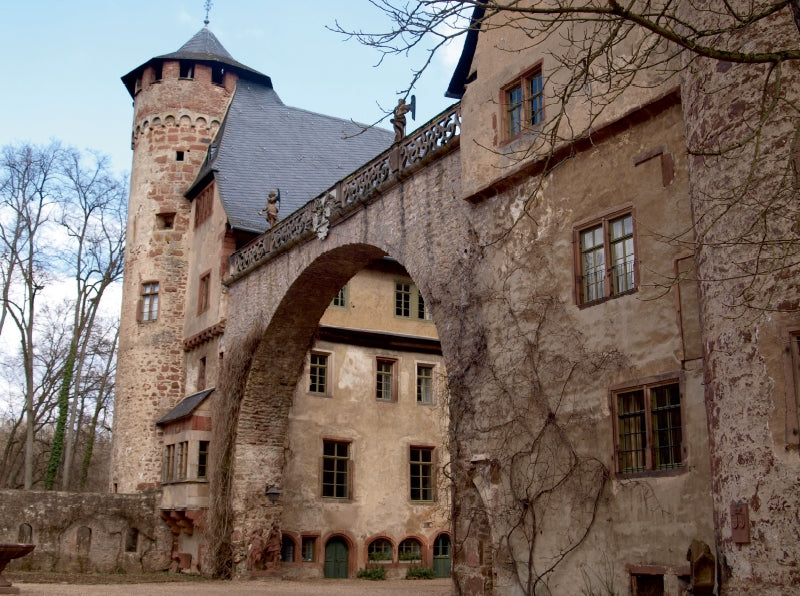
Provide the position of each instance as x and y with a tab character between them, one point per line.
208	5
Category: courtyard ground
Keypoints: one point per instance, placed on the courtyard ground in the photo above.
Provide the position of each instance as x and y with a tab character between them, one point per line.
31	585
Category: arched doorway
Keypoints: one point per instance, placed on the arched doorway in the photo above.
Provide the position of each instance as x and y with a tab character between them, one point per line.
441	555
336	554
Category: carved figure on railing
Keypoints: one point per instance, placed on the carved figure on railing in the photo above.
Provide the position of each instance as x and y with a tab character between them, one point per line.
272	554
399	120
320	217
255	553
272	207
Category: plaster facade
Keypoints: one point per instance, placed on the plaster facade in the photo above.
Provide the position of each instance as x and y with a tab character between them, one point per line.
539	362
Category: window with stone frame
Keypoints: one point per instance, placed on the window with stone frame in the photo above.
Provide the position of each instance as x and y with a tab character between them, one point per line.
287	549
425	384
202	460
408	302
318	373
605	259
336	469
379	550
409	549
648	427
522	100
148	302
204	292
645	584
309	548
422	474
385	384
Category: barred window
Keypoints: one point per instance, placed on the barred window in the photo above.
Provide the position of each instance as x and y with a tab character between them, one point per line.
649	433
607	262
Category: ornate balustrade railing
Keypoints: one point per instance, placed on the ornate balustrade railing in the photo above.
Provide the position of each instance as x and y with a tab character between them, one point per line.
427	143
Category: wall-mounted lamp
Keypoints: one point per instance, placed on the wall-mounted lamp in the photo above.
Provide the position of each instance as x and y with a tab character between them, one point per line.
272	492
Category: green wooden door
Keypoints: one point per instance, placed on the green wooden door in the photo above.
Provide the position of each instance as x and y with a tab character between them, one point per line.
336	558
441	556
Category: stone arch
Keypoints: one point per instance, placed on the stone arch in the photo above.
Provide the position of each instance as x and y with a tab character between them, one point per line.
185	121
201	123
380	539
25	534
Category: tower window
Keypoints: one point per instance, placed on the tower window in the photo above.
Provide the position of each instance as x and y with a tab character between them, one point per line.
148	303
165	221
217	74
157	71
179	156
187	70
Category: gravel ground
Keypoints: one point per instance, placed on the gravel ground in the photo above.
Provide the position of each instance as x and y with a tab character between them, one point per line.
333	587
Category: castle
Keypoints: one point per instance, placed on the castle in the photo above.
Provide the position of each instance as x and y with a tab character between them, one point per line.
615	341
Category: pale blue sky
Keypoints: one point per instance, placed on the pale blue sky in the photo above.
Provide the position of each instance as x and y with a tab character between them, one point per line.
63	61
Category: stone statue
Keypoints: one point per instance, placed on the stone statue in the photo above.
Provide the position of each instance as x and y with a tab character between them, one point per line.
272	207
255	555
399	120
272	553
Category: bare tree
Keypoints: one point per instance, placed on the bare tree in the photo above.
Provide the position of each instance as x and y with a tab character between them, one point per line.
61	218
599	51
93	217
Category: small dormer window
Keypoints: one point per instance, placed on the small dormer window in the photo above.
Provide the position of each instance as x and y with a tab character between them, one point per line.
187	70
217	74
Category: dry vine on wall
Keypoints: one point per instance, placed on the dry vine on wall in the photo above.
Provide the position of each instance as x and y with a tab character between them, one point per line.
521	428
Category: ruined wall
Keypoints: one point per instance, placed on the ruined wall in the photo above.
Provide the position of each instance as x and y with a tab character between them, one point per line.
87	533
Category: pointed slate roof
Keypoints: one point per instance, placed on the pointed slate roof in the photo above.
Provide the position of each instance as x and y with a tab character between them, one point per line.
202	47
264	144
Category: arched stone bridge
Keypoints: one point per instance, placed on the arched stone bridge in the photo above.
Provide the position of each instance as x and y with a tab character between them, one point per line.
405	204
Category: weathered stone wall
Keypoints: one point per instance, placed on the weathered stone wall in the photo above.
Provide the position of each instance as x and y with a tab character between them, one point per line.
86	532
744	193
170	115
529	370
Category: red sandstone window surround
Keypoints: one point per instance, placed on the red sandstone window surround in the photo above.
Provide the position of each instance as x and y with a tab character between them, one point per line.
605	258
522	102
648	429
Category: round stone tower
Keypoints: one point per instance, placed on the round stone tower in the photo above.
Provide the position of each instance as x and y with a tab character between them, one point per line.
179	100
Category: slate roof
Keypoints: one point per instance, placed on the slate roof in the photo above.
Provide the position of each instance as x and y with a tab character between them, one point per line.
264	144
186	406
202	47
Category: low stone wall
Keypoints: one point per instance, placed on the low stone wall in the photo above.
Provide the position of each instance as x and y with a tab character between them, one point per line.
86	532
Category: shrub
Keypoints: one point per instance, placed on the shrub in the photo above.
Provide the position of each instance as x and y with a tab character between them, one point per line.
420	572
372	572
